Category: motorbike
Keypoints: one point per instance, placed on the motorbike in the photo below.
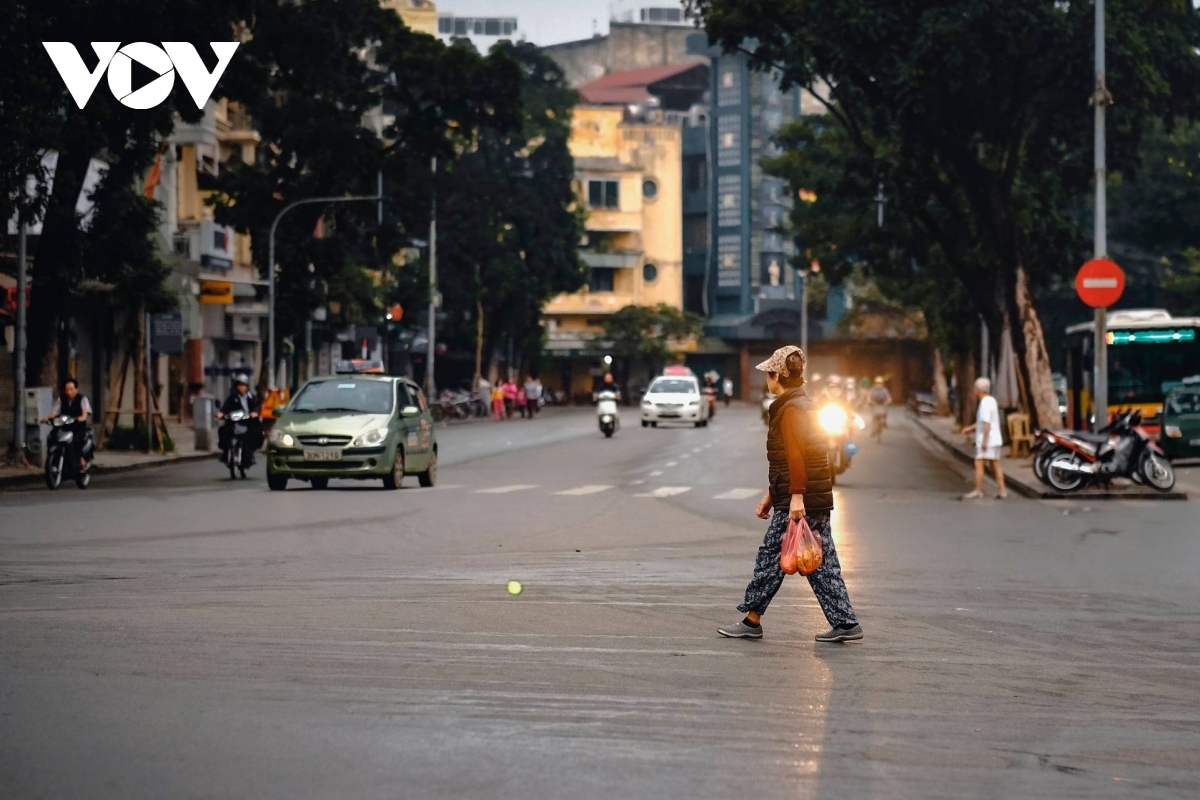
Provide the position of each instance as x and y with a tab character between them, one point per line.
60	460
238	457
878	422
607	413
710	392
1121	450
839	426
923	404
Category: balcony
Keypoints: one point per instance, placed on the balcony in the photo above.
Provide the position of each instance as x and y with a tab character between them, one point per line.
600	219
620	260
592	303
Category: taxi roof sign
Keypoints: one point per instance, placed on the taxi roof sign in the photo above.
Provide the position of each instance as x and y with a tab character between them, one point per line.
359	366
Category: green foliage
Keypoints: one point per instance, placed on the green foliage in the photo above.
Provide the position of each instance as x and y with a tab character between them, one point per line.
971	114
311	74
37	113
643	334
508	227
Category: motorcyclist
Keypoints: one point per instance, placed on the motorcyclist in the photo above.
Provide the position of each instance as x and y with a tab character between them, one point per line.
74	404
879	397
240	399
609	384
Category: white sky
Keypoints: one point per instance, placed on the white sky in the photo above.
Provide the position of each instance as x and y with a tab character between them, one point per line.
551	21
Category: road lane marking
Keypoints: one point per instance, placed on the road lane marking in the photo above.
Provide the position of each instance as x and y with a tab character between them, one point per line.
686	455
697	449
666	491
636	483
737	494
672	464
520	487
656	473
582	490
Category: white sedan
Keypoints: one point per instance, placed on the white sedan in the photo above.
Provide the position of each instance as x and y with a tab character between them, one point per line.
674	399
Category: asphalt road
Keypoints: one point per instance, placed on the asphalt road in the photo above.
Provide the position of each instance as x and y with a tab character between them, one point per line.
169	633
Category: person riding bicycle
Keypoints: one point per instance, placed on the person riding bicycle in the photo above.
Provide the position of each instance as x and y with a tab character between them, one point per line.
879	398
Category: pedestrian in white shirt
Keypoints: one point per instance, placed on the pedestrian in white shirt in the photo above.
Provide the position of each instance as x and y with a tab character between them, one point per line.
988	439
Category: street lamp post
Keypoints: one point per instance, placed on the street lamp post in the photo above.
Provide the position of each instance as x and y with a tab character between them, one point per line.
377	197
1100	100
434	300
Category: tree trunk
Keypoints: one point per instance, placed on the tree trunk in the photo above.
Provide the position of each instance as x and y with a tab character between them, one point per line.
478	345
140	402
1034	359
940	388
966	373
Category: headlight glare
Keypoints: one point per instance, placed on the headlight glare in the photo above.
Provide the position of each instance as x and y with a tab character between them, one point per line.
832	419
282	439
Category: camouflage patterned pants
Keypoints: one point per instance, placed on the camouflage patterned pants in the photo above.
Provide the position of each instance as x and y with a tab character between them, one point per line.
826	582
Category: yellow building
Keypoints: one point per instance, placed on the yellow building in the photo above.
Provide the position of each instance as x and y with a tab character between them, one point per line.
420	15
629	177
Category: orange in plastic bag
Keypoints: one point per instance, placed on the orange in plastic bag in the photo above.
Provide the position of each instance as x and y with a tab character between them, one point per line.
801	549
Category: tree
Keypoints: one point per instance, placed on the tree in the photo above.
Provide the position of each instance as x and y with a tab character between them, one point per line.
508	218
967	112
313	73
644	335
37	113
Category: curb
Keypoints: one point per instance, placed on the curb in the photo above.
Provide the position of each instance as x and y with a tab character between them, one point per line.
12	481
1037	492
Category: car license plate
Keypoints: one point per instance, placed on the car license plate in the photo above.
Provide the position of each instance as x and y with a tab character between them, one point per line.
327	454
668	415
1195	442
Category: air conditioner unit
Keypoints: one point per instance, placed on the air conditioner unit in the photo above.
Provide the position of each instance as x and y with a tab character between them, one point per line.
181	244
216	245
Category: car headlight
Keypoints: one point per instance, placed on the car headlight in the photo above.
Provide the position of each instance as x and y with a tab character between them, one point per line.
282	439
832	419
1173	431
694	403
371	438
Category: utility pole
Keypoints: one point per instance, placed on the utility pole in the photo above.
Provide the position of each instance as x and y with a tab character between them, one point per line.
1100	100
803	276
434	299
149	388
377	197
22	283
880	202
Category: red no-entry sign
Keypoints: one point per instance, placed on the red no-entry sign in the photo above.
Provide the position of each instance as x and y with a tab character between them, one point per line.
1100	283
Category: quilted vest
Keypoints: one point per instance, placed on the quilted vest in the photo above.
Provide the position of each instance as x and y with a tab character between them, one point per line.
818	495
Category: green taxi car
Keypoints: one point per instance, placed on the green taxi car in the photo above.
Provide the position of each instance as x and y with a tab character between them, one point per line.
353	426
1181	423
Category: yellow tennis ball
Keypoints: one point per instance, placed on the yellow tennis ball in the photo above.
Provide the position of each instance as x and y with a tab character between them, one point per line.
514	588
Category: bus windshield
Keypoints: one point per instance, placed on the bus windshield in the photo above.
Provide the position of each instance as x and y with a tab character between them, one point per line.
1140	373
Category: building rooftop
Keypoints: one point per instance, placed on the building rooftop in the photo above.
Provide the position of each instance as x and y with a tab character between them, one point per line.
640	85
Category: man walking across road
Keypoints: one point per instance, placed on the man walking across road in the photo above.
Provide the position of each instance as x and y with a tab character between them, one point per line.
800	487
988	440
533	395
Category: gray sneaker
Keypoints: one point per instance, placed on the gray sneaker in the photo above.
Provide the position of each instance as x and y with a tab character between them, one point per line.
839	635
740	631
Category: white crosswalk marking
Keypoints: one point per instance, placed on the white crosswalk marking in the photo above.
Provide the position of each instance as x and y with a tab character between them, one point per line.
666	491
737	494
582	490
520	487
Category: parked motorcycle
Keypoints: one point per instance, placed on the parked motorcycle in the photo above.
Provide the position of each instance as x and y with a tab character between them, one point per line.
839	426
607	413
60	458
923	404
1122	450
239	457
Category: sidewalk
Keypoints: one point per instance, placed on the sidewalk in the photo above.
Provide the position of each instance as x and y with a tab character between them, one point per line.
1018	472
109	461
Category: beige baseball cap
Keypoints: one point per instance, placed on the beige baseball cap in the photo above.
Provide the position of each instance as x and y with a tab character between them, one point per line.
777	363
